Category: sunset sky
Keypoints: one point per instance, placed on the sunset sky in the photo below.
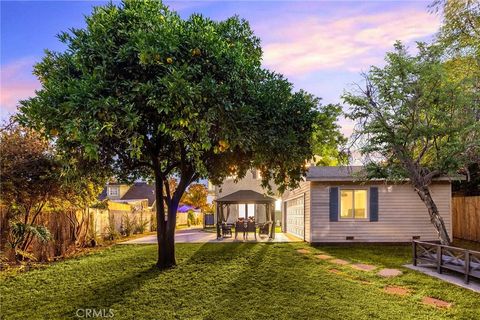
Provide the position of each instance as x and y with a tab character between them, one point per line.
320	46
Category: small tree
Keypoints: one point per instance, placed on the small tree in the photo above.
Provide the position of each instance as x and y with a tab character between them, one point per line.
32	183
28	180
196	196
414	121
141	92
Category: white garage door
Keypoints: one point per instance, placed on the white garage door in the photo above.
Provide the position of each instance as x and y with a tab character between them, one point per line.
296	217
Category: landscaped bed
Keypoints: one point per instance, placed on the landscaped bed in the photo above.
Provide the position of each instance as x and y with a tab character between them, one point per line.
236	281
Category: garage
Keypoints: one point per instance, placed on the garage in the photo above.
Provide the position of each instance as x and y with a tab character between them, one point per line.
295	217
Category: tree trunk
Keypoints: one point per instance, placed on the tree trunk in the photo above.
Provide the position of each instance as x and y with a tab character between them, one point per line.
435	218
170	232
163	261
166	229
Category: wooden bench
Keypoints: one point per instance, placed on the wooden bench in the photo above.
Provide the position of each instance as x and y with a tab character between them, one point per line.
427	254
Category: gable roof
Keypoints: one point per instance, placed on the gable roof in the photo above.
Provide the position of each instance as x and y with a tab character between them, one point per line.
340	173
245	196
103	195
140	191
351	173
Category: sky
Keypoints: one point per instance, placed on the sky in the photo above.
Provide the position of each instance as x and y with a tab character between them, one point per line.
320	46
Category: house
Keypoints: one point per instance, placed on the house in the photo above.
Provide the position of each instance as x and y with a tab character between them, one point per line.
250	190
141	196
129	205
333	205
139	192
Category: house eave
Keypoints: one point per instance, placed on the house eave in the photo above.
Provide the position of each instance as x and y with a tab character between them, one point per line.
350	179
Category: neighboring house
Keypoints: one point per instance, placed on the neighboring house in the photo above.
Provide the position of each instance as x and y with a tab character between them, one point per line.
137	192
332	205
128	204
142	196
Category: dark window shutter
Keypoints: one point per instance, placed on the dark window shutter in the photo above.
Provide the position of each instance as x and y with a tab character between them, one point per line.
373	204
333	204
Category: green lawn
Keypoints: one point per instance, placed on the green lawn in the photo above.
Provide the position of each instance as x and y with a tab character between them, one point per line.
231	281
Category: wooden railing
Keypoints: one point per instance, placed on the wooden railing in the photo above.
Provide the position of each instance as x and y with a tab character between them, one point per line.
442	257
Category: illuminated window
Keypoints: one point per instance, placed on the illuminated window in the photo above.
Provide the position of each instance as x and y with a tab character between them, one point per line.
353	204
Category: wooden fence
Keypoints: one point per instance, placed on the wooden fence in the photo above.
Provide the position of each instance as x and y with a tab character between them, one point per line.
466	218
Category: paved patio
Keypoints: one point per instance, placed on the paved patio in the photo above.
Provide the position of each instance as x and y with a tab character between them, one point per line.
200	236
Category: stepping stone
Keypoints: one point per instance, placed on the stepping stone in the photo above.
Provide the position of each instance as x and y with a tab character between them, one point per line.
436	302
336	271
389	273
340	262
323	256
303	251
363	267
397	290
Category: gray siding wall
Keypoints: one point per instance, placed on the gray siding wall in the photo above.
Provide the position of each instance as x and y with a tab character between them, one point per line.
401	215
304	189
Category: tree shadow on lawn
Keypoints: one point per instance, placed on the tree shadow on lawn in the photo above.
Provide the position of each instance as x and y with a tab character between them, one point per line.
119	289
108	294
241	291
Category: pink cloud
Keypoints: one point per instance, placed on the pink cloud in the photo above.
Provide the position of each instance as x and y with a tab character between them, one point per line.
350	42
17	83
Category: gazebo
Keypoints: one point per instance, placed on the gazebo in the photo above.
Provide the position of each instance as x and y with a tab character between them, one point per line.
245	197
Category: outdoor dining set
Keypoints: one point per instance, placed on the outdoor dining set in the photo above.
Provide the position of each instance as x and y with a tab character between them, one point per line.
245	226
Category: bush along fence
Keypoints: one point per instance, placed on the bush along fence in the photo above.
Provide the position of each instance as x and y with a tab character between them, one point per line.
466	217
58	233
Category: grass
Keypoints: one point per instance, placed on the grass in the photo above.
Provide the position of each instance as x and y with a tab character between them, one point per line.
231	280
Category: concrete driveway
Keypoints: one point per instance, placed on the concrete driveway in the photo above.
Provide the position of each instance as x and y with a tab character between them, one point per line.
200	236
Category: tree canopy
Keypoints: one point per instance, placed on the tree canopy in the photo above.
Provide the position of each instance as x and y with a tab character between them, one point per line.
141	92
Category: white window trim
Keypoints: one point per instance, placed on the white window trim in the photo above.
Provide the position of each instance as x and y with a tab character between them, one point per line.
117	191
367	218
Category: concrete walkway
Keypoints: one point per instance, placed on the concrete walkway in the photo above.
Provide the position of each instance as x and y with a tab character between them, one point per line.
454	278
200	236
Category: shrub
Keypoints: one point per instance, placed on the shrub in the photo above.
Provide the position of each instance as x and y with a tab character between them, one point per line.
141	226
128	225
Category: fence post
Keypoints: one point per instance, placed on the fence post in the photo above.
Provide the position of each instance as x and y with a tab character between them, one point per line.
439	259
414	252
467	266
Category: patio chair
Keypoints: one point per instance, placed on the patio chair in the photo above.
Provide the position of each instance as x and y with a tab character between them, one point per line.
263	229
251	227
240	227
226	230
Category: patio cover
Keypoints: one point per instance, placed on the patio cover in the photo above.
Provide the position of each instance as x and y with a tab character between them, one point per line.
245	196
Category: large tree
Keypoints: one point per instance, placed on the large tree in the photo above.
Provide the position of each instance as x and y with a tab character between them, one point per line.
141	92
415	121
459	36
